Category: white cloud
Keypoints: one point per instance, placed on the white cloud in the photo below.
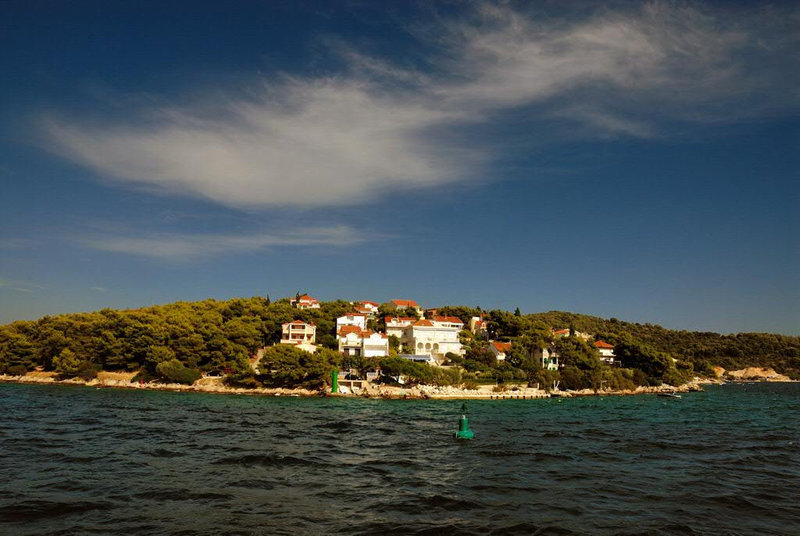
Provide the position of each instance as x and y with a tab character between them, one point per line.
379	128
182	247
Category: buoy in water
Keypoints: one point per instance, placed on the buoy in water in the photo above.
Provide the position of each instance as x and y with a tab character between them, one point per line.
463	431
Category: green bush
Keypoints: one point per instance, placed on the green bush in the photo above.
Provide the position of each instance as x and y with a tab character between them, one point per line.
173	371
17	370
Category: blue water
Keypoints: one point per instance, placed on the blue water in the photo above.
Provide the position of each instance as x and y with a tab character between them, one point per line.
76	460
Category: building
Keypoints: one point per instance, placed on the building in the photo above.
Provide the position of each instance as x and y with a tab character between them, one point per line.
606	352
499	349
357	342
352	319
304	302
547	357
433	337
299	333
565	333
368	307
396	325
477	325
405	304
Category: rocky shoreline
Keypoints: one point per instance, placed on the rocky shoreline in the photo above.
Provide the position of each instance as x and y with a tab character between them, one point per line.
214	385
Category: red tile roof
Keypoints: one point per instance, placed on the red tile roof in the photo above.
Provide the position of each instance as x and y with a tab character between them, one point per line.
450	319
603	344
405	303
369	303
399	319
297	323
344	330
561	332
501	347
423	322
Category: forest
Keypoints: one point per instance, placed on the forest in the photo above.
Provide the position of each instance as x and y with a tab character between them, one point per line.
184	340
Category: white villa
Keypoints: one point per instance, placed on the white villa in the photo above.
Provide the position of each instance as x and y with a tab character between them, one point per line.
300	334
606	352
477	325
352	319
499	349
396	325
434	337
547	357
357	342
565	333
367	307
304	302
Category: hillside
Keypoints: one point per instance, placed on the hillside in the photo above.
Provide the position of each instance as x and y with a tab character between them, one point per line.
214	335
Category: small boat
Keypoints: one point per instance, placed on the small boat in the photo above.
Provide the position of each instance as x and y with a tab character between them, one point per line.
669	395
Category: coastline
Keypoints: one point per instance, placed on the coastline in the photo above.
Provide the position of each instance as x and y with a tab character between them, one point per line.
207	385
214	385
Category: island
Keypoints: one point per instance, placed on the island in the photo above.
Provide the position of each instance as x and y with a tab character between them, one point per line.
397	349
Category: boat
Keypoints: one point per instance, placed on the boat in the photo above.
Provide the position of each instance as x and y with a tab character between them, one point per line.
669	395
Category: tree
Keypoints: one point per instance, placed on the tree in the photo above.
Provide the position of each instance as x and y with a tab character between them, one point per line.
174	371
67	362
287	366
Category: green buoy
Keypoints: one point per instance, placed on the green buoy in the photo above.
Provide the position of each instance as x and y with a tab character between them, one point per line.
463	425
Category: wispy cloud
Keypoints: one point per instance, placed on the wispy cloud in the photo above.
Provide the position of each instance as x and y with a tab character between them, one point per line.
184	247
19	286
379	128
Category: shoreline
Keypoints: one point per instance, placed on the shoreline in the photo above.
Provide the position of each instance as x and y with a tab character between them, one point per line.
419	392
214	385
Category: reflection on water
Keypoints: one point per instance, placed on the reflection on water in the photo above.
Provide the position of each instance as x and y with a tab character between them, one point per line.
78	460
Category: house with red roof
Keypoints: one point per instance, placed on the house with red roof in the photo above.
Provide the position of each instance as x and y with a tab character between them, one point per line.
405	304
352	319
606	352
367	307
499	349
299	333
435	337
396	325
304	302
477	325
357	342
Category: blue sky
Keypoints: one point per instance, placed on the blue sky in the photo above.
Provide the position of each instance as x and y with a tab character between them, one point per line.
637	161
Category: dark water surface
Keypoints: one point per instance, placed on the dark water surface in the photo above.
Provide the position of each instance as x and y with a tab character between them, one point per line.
77	460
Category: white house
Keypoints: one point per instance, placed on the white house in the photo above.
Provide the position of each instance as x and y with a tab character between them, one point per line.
368	307
436	337
548	358
396	325
499	349
300	334
565	333
304	302
352	319
356	342
606	352
405	304
477	325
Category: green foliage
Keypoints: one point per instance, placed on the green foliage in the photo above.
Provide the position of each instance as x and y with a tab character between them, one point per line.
575	352
419	373
67	363
213	335
173	371
288	366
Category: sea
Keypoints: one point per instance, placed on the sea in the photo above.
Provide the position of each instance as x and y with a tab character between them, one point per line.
78	460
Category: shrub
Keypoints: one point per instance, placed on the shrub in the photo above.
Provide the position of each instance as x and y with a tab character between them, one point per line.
17	370
174	371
